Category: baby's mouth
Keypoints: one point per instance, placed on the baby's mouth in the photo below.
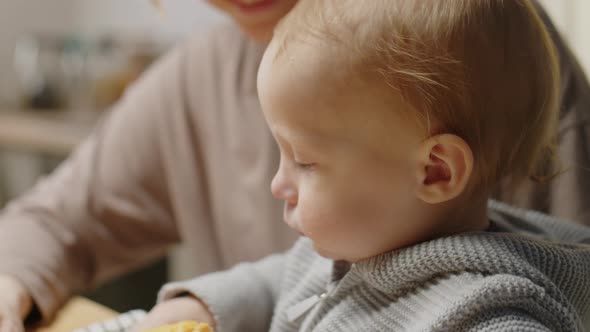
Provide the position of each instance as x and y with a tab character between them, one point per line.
288	216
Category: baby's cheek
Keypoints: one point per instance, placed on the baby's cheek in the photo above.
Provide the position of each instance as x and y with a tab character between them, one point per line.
314	215
326	218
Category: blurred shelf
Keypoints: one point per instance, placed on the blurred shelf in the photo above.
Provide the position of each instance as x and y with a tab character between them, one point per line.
54	133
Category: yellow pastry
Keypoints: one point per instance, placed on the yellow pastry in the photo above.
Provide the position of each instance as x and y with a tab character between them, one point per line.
184	326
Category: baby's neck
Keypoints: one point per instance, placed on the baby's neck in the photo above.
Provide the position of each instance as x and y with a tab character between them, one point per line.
467	215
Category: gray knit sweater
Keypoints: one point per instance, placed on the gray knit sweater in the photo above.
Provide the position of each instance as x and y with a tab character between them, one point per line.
527	273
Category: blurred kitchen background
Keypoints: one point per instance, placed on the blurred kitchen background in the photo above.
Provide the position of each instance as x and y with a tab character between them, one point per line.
64	62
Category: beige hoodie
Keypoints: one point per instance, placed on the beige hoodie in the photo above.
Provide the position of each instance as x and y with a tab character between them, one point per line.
185	156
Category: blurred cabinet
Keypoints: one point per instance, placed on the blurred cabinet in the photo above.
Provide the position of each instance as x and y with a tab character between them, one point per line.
32	144
52	133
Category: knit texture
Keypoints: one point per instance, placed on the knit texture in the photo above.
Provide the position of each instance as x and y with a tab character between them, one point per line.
519	276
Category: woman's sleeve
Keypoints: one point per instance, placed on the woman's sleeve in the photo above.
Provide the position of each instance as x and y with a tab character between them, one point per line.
107	208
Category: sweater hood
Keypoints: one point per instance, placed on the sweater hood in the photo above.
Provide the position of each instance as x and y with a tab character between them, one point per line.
559	263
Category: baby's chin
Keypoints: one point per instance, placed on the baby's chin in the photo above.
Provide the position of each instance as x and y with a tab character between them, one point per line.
338	256
329	254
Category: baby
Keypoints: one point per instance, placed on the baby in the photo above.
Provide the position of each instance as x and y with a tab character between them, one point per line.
394	120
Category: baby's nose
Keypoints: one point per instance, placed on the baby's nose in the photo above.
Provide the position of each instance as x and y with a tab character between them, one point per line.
283	190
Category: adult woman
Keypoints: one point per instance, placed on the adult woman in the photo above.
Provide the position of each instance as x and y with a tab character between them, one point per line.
185	156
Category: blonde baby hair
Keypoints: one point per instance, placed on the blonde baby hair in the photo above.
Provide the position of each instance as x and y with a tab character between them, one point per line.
485	70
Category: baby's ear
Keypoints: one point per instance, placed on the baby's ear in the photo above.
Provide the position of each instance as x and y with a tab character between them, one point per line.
444	168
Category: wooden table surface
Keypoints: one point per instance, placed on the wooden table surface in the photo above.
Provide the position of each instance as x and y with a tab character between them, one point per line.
78	312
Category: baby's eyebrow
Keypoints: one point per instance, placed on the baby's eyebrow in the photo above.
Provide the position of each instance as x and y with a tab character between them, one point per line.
308	140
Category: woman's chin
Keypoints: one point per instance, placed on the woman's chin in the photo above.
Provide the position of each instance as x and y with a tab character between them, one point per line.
259	33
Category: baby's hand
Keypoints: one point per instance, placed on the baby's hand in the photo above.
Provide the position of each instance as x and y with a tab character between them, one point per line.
15	303
175	310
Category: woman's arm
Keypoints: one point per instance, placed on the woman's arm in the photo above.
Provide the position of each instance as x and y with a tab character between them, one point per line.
106	209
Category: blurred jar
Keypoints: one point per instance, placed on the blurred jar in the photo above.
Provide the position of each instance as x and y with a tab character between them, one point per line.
37	65
70	72
116	65
74	76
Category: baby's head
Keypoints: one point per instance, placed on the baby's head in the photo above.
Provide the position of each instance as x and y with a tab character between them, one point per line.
394	118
